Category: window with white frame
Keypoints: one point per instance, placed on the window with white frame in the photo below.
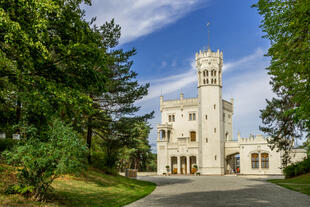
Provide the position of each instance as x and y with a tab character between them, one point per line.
192	116
171	118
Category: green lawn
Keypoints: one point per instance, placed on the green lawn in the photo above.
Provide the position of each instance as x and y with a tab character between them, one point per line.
91	189
300	183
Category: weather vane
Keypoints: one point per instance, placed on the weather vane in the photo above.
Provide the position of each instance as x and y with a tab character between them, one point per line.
208	24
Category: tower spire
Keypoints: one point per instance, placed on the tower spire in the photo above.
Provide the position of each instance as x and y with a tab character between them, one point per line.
208	24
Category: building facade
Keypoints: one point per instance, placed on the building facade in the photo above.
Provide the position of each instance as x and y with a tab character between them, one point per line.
197	132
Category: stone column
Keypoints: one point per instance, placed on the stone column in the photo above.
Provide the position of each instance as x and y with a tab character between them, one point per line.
158	135
187	164
179	164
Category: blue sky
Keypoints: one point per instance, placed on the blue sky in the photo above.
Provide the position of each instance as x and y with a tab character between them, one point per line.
167	33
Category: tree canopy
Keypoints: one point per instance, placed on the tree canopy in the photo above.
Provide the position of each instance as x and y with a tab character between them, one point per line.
286	25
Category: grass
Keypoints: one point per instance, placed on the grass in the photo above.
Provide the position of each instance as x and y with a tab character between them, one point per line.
93	188
300	183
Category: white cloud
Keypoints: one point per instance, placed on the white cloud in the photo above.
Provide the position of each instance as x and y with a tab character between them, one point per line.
174	83
250	59
140	17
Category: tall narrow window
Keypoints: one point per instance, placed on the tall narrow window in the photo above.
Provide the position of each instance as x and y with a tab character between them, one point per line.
214	130
171	118
214	73
204	73
192	116
193	136
211	72
207	73
206	117
214	106
265	160
207	81
204	81
214	81
254	159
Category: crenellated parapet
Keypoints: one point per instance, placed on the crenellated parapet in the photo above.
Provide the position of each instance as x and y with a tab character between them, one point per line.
253	139
178	103
209	66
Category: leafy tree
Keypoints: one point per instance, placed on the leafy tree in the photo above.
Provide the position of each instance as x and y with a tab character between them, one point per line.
51	60
40	163
137	153
281	124
115	108
286	25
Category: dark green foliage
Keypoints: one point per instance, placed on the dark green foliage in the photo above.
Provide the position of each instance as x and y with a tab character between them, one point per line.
137	152
297	169
39	163
7	144
282	125
287	117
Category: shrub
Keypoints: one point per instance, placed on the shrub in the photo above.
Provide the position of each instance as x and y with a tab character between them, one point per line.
298	168
39	163
7	144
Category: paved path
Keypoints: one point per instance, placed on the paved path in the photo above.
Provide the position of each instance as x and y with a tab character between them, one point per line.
214	191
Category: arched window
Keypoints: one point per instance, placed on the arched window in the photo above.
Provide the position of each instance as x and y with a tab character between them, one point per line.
211	81
254	159
204	81
204	73
207	73
207	81
162	134
214	81
265	160
211	72
214	73
193	136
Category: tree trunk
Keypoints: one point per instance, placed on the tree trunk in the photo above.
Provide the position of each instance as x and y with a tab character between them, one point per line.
18	113
89	137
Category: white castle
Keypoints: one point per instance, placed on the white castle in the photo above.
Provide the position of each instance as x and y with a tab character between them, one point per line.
197	132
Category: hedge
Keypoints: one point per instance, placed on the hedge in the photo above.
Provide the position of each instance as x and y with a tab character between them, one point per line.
297	168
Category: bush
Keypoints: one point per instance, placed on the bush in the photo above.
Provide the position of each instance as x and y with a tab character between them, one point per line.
98	161
7	144
297	169
39	163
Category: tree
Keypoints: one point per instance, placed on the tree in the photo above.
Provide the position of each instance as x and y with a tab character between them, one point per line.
52	59
137	153
40	163
115	108
286	25
281	124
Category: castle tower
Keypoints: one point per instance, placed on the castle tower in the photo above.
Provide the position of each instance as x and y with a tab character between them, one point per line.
211	138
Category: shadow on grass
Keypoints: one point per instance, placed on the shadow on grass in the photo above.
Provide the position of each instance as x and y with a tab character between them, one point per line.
97	189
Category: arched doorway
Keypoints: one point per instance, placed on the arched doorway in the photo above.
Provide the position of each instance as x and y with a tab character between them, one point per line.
174	165
233	163
183	165
192	163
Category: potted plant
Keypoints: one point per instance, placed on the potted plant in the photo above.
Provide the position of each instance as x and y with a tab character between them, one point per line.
195	169
168	169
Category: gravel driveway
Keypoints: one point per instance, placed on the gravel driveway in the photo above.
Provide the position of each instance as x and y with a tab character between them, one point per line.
219	191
